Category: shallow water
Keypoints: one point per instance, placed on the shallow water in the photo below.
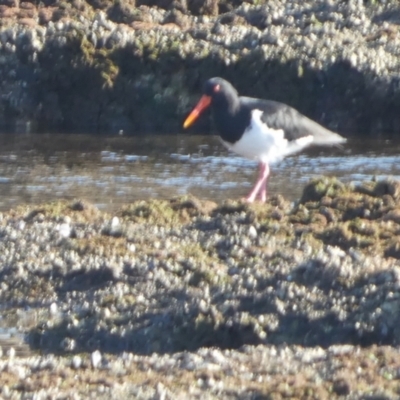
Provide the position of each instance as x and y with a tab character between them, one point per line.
113	170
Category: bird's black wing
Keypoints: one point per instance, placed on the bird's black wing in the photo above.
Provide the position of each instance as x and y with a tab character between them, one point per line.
294	124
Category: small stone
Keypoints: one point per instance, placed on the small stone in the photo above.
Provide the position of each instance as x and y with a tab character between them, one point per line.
65	230
335	251
76	362
131	247
203	306
68	344
11	353
252	232
53	309
341	387
338	350
5	391
115	222
106	313
161	391
96	359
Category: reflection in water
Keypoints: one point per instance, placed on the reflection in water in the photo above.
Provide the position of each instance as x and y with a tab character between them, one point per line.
110	171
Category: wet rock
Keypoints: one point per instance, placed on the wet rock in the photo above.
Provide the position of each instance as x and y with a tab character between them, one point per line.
380	189
180	5
342	387
11	3
45	15
204	7
259	18
123	12
231	19
177	17
320	188
393	249
209	290
99	4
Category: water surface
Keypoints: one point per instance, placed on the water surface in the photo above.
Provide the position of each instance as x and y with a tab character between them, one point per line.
113	170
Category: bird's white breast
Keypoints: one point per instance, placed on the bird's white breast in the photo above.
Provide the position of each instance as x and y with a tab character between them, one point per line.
261	143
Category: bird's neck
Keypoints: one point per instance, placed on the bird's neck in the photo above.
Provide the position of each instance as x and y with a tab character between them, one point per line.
231	120
229	104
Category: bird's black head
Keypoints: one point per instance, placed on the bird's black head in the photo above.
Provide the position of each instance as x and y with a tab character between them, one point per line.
216	92
218	87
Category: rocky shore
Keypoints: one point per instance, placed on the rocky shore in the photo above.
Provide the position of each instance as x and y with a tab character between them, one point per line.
191	299
138	65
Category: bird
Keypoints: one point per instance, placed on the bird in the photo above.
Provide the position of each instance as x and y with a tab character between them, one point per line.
262	130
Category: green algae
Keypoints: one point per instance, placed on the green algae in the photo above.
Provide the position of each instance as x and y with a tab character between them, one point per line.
170	212
354	219
359	213
79	211
97	59
230	317
322	187
366	217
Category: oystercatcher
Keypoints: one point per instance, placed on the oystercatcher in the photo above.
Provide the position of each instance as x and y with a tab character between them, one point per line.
261	130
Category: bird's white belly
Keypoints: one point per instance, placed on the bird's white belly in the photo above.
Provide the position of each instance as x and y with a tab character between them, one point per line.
261	143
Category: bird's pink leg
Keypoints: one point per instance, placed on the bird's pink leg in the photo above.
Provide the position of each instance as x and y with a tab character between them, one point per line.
262	193
260	187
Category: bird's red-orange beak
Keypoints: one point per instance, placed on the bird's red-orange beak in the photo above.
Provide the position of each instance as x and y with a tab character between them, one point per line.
204	102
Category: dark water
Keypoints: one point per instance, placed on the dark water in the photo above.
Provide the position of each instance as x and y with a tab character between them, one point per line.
113	170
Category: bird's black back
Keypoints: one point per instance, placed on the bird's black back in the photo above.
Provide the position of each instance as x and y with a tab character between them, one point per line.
295	125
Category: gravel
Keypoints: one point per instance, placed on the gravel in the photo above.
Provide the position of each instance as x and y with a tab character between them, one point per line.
191	299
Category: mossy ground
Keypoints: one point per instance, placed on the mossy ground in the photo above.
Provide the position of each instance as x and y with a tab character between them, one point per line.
364	217
194	298
79	211
363	373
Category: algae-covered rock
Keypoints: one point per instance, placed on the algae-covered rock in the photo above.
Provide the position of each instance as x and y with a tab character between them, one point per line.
381	188
138	66
177	210
362	217
322	187
168	285
177	275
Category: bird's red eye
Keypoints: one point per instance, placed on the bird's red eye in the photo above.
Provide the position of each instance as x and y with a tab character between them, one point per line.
217	88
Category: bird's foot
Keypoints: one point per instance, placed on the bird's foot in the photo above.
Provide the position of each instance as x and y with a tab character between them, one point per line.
247	199
263	196
251	198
